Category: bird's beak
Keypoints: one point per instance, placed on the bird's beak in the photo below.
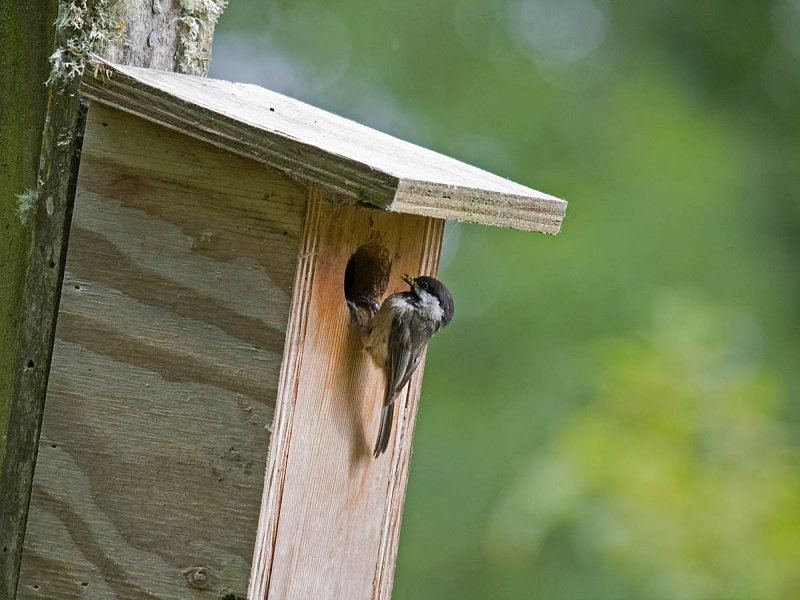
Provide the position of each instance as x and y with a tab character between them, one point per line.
408	279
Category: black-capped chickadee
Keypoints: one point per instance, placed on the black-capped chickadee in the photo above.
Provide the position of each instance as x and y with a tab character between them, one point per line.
396	335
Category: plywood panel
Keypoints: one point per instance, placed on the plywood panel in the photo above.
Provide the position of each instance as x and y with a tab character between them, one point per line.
170	336
331	512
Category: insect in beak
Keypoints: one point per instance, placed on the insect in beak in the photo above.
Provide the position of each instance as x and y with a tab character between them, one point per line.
408	279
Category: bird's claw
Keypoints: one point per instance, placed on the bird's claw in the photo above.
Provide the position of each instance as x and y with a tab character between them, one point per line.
369	305
353	311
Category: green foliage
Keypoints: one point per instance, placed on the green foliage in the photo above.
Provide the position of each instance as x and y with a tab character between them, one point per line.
613	412
678	474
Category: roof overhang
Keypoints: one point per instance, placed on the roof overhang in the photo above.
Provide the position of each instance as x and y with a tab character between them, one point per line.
364	165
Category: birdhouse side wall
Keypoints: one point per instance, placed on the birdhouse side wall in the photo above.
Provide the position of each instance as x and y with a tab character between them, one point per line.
165	369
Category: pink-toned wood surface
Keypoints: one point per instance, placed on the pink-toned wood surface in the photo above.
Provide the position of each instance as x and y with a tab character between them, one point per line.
331	513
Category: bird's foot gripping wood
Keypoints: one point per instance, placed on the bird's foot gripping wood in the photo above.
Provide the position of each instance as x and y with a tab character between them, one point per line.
361	311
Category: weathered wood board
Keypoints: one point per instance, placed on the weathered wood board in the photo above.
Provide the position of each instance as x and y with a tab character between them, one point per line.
169	342
331	512
364	165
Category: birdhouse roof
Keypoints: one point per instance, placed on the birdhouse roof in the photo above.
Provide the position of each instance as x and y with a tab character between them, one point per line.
365	165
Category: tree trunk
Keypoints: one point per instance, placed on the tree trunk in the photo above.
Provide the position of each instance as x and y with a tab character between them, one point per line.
41	128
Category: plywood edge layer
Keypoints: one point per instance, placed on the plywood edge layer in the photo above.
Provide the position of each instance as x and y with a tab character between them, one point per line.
542	213
281	426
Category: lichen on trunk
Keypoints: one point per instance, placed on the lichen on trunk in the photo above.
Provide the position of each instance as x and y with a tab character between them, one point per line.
40	141
198	19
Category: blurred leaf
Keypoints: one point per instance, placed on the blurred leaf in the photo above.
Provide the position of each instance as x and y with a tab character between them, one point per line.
677	474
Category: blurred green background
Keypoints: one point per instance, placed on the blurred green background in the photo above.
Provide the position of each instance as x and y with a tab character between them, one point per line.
614	411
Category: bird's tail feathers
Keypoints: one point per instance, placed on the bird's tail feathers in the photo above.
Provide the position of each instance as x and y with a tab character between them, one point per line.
385	431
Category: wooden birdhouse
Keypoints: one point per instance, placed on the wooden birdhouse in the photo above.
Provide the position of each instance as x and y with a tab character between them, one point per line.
210	415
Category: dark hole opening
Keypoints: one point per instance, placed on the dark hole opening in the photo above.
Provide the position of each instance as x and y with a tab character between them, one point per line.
366	276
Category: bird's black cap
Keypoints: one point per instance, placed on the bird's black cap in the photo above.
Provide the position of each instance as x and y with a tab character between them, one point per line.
439	290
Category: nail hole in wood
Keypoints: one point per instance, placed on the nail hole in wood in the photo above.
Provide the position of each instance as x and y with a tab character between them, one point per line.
198	577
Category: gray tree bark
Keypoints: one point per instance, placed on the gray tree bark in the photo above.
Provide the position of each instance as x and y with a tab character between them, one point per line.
41	128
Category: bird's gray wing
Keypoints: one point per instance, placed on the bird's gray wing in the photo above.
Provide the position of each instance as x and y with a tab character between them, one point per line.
403	359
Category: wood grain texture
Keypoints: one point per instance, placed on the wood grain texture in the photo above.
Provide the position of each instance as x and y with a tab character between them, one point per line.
364	164
168	347
331	512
